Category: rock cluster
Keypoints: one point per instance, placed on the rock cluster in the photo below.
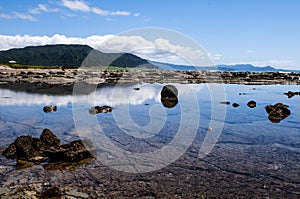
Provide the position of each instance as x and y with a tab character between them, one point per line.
49	109
100	109
277	112
31	151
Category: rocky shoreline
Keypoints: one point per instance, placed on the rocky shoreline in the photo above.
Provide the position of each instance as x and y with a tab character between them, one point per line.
54	77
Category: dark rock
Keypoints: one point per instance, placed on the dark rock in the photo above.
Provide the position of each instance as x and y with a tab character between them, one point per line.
169	96
251	104
23	164
52	193
49	138
226	102
100	109
277	112
235	105
1	150
31	151
74	151
136	89
24	147
169	91
38	145
63	165
291	94
169	102
49	109
10	152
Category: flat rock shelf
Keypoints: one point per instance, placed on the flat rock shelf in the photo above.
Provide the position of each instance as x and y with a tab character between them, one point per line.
92	76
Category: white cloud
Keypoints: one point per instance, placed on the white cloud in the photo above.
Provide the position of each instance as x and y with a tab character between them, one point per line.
24	16
159	49
120	13
76	5
82	6
5	16
42	8
251	51
18	41
18	15
218	56
136	14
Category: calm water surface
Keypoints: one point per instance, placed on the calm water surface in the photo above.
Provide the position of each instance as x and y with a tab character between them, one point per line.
139	123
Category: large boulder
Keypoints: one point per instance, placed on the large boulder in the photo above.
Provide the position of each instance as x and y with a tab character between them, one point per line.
169	96
277	112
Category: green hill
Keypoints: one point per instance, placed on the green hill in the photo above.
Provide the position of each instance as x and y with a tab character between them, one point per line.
70	56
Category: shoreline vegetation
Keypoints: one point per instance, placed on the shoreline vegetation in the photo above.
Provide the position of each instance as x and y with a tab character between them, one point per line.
56	76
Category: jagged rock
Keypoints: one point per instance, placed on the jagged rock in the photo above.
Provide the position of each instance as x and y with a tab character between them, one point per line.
235	105
49	109
251	104
291	94
169	96
10	152
74	151
225	102
22	148
31	151
49	138
100	109
277	112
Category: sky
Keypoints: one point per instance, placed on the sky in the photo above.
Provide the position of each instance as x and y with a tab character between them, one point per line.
228	32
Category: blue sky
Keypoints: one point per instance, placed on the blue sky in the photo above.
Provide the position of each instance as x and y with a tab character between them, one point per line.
256	32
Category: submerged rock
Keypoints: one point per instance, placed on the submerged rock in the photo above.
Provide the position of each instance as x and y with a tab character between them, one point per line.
51	193
291	94
49	109
225	102
277	112
169	96
251	104
100	109
235	105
